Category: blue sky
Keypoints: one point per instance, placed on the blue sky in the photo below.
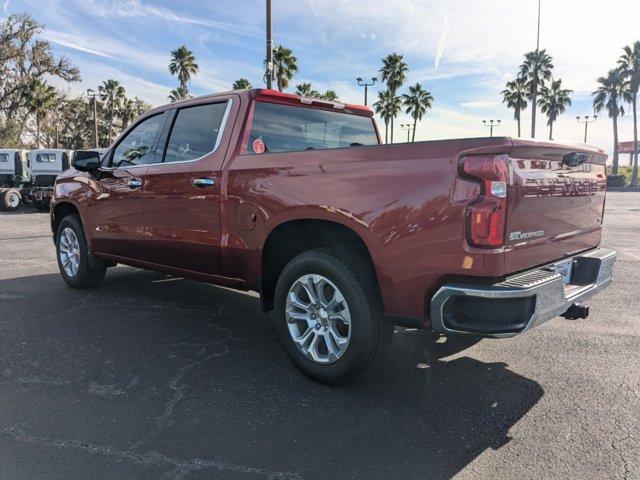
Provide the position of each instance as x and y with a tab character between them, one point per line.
461	51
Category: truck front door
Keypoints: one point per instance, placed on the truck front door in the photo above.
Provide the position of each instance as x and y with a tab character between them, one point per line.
116	212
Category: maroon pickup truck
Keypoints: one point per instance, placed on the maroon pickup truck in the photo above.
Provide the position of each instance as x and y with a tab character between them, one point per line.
343	237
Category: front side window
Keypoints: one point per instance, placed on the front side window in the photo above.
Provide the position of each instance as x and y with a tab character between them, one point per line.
285	128
138	147
195	132
4	157
46	158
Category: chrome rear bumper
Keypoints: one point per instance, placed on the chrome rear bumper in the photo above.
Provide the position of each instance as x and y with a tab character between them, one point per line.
522	301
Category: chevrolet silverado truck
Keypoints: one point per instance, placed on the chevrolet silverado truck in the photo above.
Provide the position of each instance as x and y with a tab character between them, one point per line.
343	237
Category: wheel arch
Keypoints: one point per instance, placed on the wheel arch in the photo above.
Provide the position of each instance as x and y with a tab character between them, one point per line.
293	236
60	210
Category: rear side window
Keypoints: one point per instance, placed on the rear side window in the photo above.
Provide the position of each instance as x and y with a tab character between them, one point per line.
4	157
138	147
46	158
195	132
286	128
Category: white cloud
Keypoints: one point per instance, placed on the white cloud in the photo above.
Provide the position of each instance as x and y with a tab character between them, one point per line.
138	9
478	104
71	41
5	6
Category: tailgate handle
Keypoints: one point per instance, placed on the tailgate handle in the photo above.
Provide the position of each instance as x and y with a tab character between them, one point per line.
574	159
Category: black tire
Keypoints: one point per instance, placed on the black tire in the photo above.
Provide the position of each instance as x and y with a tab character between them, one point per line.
11	200
86	275
370	333
40	205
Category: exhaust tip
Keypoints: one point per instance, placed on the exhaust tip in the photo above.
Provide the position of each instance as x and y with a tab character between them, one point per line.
576	311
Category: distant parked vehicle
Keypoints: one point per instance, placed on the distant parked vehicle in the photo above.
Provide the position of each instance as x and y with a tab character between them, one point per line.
46	165
28	176
14	174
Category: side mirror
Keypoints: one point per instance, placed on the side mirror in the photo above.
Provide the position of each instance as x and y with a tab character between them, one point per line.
86	160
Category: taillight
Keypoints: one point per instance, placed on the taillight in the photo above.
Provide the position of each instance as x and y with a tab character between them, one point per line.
487	215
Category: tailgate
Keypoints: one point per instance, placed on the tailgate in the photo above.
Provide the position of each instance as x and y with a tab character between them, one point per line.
555	202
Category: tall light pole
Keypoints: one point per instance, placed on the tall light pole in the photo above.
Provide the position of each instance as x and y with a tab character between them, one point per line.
92	93
586	122
269	73
366	86
408	127
538	40
491	124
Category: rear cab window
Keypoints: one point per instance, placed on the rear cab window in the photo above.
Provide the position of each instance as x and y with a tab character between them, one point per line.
4	157
280	128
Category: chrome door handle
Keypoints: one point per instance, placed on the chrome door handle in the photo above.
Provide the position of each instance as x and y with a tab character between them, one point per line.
204	182
134	183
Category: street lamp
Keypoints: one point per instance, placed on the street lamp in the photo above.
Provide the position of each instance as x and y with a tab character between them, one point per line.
491	124
366	86
408	127
92	93
586	122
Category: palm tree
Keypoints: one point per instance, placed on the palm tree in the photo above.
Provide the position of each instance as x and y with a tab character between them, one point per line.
39	97
178	94
112	93
609	95
183	63
417	102
553	102
241	84
536	70
330	95
388	106
306	90
630	65
286	66
394	73
127	112
515	96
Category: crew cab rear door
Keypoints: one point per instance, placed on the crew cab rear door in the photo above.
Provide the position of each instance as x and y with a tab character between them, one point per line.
182	190
555	202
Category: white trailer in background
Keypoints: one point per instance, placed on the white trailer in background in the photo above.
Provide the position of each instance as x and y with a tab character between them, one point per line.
14	176
46	165
29	176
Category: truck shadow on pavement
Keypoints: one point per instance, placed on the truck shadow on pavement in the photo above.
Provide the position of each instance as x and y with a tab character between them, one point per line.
150	375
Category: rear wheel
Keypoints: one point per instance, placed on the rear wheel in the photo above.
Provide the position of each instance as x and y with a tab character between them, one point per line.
73	255
11	200
330	316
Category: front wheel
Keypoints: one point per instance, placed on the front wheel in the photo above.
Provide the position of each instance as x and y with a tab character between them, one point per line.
73	255
330	316
11	200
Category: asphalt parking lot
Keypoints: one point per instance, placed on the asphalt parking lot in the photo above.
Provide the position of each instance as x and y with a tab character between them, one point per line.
153	377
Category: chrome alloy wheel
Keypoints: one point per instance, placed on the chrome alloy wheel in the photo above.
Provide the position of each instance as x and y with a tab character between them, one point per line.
69	252
318	318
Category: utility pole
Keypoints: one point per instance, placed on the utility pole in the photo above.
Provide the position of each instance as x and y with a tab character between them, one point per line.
408	127
586	122
91	93
491	124
269	73
366	86
538	40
